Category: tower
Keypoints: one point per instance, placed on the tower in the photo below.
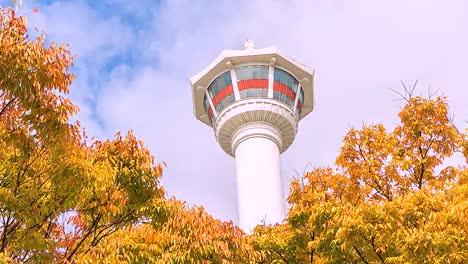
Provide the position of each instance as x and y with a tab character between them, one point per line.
253	99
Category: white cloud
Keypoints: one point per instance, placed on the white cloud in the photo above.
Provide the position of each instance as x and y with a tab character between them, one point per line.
93	39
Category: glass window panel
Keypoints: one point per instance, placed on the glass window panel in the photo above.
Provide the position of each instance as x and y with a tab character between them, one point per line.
252	72
220	82
256	73
211	93
220	106
225	102
265	73
218	86
227	78
286	79
277	75
244	74
276	95
243	94
239	74
230	98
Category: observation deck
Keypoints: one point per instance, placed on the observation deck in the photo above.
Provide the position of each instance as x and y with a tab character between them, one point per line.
253	88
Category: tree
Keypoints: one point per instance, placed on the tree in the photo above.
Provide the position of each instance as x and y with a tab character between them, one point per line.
49	173
391	198
35	135
189	236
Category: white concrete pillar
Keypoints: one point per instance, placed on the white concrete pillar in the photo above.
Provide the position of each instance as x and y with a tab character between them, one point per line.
259	183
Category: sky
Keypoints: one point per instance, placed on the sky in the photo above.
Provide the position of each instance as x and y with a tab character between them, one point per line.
134	60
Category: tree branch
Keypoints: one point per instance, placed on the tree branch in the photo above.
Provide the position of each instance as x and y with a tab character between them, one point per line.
5	108
360	255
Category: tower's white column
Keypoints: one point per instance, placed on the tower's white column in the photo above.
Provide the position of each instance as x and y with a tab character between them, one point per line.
259	184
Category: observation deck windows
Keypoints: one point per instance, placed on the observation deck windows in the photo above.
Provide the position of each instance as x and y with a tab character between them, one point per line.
208	109
284	87
252	81
221	92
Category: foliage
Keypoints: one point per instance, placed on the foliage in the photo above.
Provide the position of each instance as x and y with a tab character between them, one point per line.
40	152
189	236
60	196
391	198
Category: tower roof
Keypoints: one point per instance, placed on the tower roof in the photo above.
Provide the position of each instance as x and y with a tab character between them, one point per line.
228	59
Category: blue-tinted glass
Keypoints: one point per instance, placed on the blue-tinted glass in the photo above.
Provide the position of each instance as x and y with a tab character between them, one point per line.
219	83
227	78
252	72
225	102
276	95
220	106
256	73
231	98
243	94
240	74
286	79
283	98
243	74
264	73
277	75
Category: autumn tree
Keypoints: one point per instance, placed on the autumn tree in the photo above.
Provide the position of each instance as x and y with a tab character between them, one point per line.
190	235
35	135
60	194
392	198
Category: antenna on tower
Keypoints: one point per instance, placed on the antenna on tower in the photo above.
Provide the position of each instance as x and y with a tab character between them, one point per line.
249	44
